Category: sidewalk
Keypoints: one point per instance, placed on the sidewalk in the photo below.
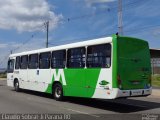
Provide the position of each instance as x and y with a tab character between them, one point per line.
3	78
156	92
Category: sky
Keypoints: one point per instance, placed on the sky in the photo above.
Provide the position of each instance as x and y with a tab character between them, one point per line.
23	28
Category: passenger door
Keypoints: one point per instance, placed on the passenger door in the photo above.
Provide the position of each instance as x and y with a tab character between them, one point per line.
23	72
32	71
44	71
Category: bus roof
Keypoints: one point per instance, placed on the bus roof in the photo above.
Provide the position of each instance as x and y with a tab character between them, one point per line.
67	46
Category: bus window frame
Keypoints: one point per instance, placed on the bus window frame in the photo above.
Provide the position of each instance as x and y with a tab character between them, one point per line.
110	56
64	59
17	62
26	65
70	67
29	61
39	60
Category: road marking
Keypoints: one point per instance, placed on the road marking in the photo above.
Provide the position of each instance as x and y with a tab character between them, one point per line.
83	113
65	108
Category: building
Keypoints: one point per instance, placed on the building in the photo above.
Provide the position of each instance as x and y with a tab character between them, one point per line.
155	60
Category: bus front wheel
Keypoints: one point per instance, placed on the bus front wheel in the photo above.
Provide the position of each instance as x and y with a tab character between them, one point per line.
58	92
16	86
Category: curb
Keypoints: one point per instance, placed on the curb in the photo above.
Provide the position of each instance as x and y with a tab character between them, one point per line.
156	92
3	79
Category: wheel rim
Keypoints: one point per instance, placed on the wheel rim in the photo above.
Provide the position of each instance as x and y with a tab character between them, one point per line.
58	92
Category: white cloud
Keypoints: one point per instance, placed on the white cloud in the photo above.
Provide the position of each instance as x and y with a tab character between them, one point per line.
18	47
3	45
156	32
26	15
90	2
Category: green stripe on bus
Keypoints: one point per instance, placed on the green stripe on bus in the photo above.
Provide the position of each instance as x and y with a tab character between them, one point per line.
114	60
79	82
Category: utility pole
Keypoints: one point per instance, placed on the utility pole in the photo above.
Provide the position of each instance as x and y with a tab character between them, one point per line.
120	23
47	27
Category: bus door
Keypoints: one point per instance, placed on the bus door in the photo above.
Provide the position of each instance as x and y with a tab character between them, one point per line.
44	72
23	77
32	71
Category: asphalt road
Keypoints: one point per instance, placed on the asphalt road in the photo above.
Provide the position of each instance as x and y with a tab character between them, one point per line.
29	102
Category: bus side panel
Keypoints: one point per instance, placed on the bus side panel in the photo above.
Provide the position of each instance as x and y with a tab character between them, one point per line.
75	82
91	83
30	79
100	84
10	79
92	76
38	79
72	80
23	78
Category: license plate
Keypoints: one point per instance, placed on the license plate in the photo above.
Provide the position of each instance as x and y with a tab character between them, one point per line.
136	92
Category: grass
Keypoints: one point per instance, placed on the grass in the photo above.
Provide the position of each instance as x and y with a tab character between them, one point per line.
3	75
156	80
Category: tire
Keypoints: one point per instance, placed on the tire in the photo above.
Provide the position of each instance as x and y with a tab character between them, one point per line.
58	92
16	86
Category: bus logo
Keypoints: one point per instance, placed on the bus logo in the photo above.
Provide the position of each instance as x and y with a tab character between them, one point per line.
59	75
103	82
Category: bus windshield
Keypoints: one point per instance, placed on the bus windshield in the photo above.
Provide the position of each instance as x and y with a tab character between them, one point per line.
10	66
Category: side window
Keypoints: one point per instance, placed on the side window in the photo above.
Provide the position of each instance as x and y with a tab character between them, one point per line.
18	62
24	62
76	58
10	66
44	60
33	61
99	56
58	59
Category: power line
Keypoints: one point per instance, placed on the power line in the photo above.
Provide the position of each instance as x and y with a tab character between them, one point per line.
25	42
28	40
4	59
101	12
142	28
82	38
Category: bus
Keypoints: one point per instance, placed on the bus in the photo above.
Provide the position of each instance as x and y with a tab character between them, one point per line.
104	68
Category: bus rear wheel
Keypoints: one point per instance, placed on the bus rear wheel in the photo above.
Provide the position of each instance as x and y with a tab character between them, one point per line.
58	92
16	86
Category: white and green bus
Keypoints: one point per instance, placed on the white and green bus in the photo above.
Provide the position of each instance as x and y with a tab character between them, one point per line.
105	68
